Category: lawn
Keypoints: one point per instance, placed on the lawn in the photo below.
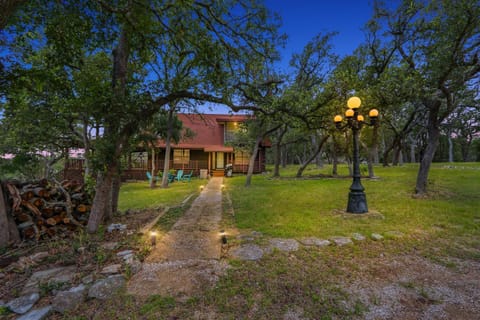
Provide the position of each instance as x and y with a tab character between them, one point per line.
311	206
139	195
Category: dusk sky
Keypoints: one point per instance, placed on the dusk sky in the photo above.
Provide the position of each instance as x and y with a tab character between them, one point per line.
303	19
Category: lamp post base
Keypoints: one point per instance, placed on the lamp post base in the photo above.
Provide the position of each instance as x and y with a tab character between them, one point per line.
357	202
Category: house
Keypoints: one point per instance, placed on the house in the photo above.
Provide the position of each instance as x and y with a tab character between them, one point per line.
207	152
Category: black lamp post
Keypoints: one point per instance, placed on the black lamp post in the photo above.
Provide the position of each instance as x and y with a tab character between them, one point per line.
357	201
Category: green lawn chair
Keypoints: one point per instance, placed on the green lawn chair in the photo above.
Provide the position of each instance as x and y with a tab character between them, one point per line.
171	177
149	177
179	175
187	177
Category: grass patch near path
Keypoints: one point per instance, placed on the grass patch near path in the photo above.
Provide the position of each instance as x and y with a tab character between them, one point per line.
296	208
139	195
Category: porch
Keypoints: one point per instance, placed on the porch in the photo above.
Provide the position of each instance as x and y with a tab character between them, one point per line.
74	168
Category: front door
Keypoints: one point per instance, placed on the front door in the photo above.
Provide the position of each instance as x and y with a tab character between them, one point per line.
220	160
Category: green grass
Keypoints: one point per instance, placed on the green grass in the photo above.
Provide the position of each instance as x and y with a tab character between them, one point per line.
290	207
139	195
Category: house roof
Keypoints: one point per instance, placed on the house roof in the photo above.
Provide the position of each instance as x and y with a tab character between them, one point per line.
208	129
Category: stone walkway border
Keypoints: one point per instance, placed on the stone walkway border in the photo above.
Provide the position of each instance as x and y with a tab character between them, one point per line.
251	251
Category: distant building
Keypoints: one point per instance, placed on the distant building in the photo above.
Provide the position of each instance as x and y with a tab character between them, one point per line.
207	150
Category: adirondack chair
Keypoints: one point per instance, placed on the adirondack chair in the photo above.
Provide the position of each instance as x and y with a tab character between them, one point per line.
187	177
179	175
170	176
149	177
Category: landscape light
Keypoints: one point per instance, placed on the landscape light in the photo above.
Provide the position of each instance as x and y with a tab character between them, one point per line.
153	238
357	201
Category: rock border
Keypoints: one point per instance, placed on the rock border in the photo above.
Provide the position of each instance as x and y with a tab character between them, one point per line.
250	250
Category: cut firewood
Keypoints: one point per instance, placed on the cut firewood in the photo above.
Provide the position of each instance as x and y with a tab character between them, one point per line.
41	192
59	208
47	212
82	208
37	202
42	209
23	217
27	195
32	208
69	206
15	196
28	233
78	196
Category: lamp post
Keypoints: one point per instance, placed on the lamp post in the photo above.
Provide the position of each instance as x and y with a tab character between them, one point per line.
357	201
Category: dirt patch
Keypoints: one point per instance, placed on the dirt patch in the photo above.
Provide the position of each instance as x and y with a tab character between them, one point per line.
413	287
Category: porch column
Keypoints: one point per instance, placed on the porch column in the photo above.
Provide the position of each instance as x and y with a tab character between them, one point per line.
209	161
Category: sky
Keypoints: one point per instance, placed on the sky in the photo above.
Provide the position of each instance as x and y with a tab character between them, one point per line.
303	19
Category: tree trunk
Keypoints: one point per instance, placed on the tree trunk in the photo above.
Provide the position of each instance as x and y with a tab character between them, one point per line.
166	165
450	148
312	157
318	157
284	156
102	200
116	184
466	149
153	181
396	155
334	157
412	152
373	152
8	229
432	144
102	205
168	138
251	163
278	152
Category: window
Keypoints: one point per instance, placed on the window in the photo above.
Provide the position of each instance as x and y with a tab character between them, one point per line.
139	160
181	156
242	157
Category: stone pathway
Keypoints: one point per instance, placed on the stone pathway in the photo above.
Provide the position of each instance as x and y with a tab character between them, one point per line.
186	259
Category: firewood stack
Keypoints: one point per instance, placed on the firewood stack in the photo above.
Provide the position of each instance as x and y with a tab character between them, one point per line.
44	209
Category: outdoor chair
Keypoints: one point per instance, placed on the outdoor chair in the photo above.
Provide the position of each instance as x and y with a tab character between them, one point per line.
179	175
187	177
171	177
149	177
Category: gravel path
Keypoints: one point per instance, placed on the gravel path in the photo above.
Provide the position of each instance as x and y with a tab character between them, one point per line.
187	259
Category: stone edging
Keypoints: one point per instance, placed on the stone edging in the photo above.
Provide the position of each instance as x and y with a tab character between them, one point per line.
251	251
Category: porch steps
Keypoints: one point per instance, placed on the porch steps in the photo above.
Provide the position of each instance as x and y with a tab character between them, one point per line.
217	173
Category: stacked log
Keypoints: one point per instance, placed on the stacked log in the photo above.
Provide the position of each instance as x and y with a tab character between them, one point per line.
45	209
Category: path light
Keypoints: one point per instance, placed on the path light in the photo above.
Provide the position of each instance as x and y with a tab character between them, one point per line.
357	201
222	186
223	236
153	238
201	187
